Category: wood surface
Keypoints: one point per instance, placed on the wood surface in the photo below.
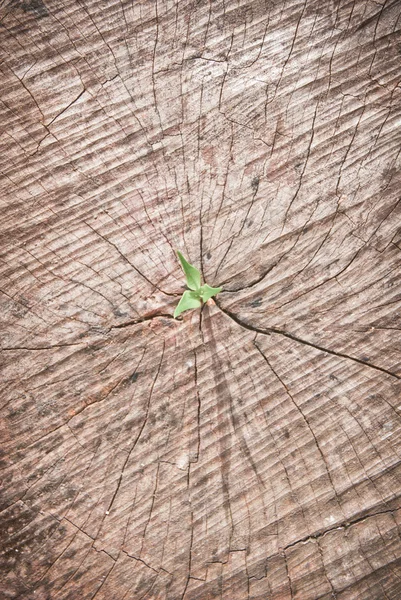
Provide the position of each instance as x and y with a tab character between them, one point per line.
251	451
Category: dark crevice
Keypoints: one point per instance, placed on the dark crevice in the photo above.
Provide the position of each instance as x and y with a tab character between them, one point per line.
142	320
343	525
11	349
269	330
319	534
140	560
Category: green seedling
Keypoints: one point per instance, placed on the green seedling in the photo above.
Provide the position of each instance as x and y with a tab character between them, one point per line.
197	293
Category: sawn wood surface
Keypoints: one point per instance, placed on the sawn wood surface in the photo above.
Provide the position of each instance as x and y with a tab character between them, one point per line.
251	451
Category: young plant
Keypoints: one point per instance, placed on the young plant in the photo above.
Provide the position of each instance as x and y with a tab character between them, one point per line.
197	293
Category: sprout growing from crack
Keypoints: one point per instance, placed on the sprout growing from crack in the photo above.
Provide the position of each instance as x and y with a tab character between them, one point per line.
197	293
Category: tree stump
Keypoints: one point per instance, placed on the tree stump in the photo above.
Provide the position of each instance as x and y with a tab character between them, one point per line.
250	450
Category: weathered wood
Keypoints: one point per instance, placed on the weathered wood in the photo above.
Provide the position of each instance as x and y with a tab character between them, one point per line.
251	451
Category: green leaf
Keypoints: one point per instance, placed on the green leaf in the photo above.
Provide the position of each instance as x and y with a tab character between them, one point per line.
188	300
192	274
207	292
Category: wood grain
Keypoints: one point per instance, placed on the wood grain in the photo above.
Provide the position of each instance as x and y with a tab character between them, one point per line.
250	451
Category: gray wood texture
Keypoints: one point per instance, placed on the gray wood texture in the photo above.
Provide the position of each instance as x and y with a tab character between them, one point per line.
250	451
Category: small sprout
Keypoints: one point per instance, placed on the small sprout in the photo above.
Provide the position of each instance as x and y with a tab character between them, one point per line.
207	292
188	300
197	293
192	275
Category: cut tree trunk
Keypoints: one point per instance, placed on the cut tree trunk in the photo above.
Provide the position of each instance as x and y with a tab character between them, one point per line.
251	450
